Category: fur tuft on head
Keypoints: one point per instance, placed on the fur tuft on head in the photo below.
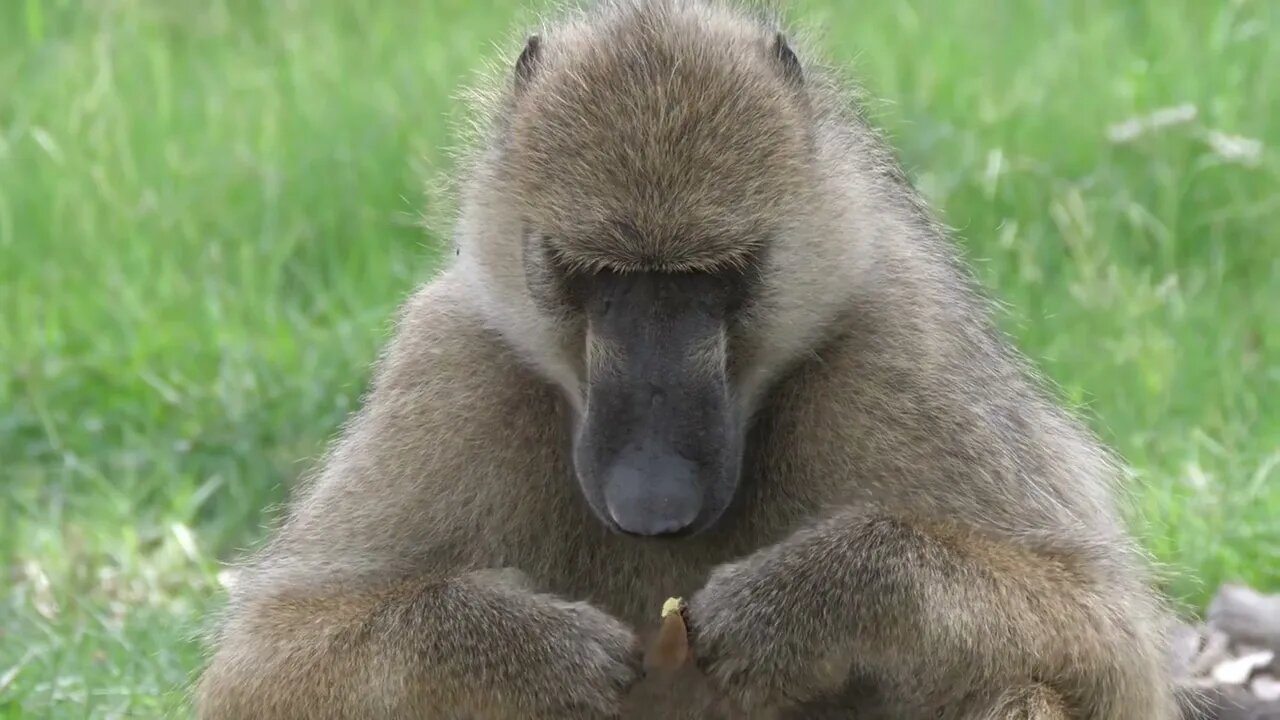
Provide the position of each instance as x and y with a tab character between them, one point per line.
656	135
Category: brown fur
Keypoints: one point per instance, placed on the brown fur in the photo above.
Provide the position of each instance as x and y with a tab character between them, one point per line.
921	531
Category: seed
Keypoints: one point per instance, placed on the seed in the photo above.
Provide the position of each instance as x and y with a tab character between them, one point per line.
670	649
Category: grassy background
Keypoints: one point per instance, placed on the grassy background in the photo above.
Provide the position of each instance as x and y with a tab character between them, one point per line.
207	218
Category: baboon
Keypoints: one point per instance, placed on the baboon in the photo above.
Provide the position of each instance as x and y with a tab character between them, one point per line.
701	338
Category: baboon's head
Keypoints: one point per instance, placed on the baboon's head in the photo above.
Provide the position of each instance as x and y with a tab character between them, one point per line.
650	165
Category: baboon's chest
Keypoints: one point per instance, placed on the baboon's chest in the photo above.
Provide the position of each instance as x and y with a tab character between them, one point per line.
631	582
631	577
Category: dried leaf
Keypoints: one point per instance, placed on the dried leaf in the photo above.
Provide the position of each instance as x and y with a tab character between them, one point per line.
1237	671
1266	688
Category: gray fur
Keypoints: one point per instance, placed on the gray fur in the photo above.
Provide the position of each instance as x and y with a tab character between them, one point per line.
920	530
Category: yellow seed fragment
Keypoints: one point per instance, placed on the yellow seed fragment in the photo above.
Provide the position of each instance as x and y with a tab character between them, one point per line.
672	605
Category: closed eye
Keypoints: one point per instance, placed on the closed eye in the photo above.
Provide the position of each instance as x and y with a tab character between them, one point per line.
723	292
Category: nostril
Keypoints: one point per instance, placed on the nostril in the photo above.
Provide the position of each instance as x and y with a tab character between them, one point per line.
653	496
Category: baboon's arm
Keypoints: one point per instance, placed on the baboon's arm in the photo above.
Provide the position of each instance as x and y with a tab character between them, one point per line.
954	615
475	646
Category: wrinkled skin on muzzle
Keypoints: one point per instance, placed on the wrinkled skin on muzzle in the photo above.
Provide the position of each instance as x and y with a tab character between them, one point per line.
658	449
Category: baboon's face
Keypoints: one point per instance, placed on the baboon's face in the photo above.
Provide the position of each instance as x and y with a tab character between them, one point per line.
658	446
640	166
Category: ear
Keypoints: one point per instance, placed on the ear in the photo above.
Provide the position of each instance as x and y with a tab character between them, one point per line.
787	60
527	63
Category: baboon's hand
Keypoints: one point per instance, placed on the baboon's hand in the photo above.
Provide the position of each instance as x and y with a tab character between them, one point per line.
551	658
757	632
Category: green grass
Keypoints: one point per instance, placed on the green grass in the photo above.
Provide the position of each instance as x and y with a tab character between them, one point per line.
208	213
